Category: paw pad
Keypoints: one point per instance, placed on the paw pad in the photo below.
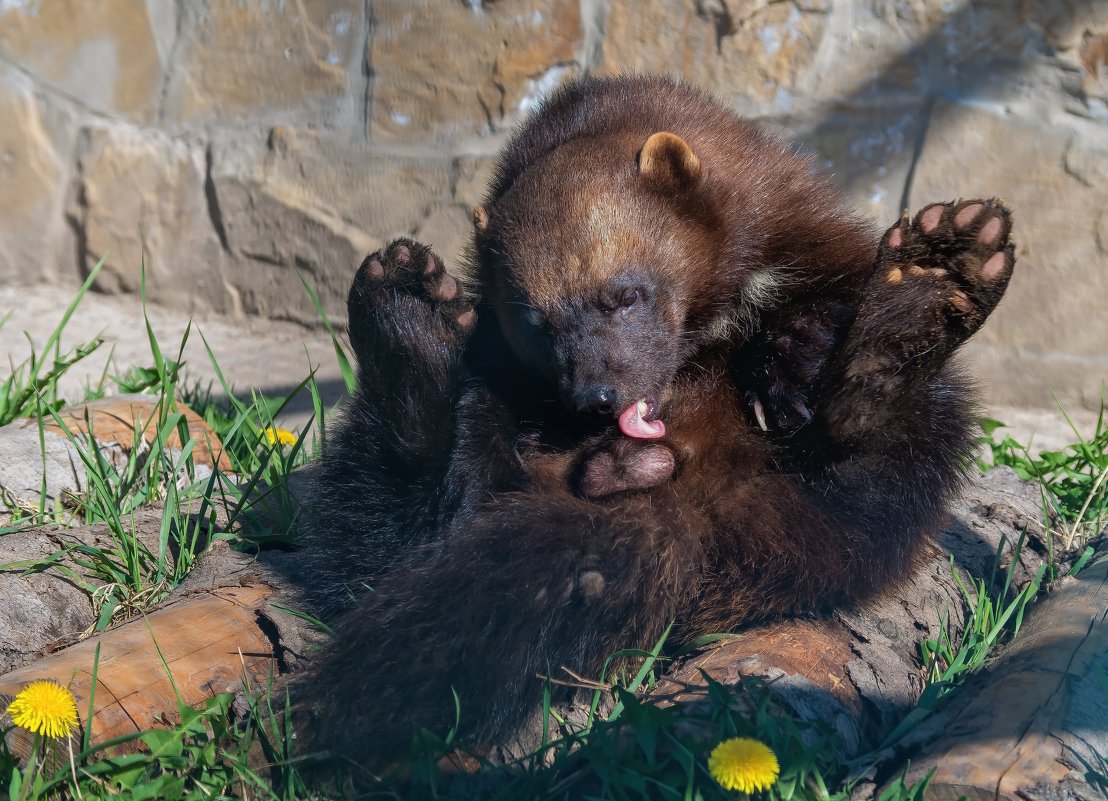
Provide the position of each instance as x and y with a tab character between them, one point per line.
931	216
447	288
407	271
968	214
990	231
401	255
960	249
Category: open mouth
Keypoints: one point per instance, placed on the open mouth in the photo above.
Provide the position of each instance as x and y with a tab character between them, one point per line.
637	420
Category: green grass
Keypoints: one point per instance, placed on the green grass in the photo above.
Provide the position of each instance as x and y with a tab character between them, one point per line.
1073	480
31	387
131	576
640	750
208	754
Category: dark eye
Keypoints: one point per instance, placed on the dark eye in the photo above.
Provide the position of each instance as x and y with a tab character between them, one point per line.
629	299
535	318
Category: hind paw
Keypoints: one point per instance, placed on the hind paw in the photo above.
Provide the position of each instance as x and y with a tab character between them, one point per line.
959	251
403	295
624	466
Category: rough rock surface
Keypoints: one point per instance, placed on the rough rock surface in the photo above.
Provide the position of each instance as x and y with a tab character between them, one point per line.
231	144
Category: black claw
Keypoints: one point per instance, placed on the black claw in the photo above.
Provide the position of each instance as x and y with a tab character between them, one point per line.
803	409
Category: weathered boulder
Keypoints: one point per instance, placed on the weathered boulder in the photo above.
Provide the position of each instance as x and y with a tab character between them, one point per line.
139	202
233	143
869	153
107	55
300	200
268	60
1055	179
450	70
32	183
754	55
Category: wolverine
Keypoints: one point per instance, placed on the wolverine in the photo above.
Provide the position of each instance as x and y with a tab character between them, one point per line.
679	382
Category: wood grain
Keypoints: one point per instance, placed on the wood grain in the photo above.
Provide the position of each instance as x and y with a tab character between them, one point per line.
115	420
209	641
1036	723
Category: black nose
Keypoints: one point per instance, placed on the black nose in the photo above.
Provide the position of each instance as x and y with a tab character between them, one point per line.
596	399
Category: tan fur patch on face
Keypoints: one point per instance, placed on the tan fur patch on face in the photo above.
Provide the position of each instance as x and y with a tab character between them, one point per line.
610	235
604	238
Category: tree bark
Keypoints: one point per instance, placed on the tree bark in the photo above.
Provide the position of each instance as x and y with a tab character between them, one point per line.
36	463
1035	725
210	642
858	670
232	623
41	611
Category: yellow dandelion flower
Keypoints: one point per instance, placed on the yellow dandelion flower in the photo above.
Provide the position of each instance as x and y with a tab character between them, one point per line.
44	707
275	435
743	764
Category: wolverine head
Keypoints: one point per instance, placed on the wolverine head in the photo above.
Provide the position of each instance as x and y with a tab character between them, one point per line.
594	261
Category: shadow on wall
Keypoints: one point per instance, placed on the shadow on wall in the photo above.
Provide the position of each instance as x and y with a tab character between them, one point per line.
985	55
983	106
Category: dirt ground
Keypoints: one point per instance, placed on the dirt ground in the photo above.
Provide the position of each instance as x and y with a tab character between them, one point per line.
273	356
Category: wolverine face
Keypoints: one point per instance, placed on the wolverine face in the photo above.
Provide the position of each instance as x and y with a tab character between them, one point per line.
605	347
590	260
595	301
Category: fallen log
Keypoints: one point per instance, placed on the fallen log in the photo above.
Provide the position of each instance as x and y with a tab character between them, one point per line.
116	419
859	670
134	675
47	586
34	463
42	609
1035	725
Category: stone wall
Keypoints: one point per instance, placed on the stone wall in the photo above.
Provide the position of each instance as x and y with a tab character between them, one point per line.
227	144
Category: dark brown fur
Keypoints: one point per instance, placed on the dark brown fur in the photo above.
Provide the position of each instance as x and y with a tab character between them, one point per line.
478	482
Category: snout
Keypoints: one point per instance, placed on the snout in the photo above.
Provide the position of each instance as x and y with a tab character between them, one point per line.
595	399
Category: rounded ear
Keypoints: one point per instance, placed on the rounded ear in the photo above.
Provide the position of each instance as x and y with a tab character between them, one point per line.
667	159
480	218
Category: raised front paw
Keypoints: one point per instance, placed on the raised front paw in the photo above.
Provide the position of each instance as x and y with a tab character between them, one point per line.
959	251
938	278
783	364
402	297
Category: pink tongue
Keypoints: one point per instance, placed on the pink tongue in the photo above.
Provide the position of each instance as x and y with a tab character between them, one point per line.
632	424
